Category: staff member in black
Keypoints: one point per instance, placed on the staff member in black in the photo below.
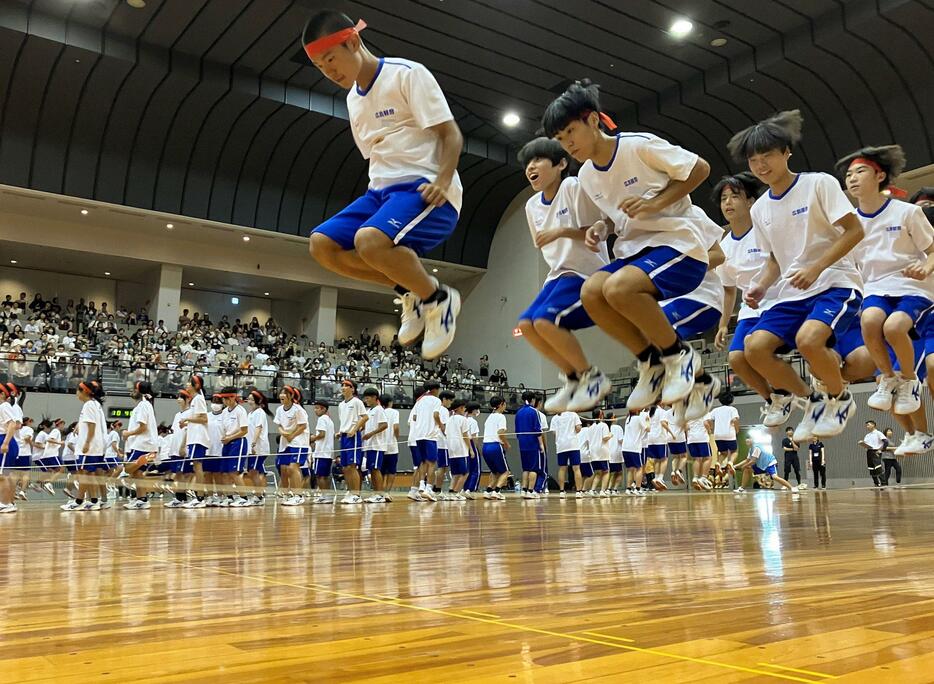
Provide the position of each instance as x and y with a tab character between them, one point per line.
790	447
874	442
818	463
889	461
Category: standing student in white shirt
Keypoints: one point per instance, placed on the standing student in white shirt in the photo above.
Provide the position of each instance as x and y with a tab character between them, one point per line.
178	464
89	446
24	456
558	216
391	457
9	451
374	442
458	438
634	447
428	430
566	427
257	406
698	439
473	460
587	473
616	455
236	447
809	229
599	439
402	124
352	415
446	397
142	442
47	466
24	439
874	442
657	437
495	446
896	259
323	444
292	420
725	428
197	439
677	452
642	183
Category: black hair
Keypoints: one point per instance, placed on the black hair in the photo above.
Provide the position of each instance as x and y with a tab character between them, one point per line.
870	421
324	23
385	399
544	148
579	100
20	394
45	423
97	392
473	406
890	157
595	414
457	403
446	394
230	389
726	397
321	402
789	428
921	193
145	389
496	402
743	182
781	131
432	385
929	213
371	392
261	400
528	396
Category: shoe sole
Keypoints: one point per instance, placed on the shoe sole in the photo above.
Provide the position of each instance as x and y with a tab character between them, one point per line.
455	297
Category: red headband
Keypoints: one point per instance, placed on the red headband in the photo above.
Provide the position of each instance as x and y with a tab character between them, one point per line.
185	394
14	390
867	162
85	388
257	396
228	395
325	43
604	119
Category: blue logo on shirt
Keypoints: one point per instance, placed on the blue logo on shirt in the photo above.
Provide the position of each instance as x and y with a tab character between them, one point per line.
562	212
753	250
798	212
385	112
631	181
892	229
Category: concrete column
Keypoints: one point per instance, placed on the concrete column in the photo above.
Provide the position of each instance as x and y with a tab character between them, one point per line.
321	322
167	293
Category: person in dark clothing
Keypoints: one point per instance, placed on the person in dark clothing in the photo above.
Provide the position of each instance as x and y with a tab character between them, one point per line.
874	442
889	462
790	448
818	463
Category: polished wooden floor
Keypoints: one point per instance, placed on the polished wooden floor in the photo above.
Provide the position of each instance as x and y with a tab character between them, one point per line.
671	588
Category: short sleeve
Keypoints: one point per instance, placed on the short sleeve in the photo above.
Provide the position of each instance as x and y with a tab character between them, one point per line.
919	228
762	235
584	213
832	198
429	107
302	418
661	155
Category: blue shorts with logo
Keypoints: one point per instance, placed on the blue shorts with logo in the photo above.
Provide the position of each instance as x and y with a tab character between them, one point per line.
911	305
655	452
566	458
835	307
398	211
559	302
495	457
674	274
634	459
351	450
690	318
373	460
739	335
699	449
236	453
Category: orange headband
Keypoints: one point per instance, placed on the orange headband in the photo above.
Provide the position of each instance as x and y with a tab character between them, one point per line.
185	394
228	395
604	119
257	396
14	390
325	43
893	191
85	388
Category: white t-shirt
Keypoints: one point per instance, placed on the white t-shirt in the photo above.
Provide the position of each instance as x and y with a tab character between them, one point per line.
375	416
669	419
288	420
425	427
874	439
38	443
642	166
570	208
473	429
325	446
392	444
895	237
197	433
583	444
697	431
68	450
390	123
494	424
50	450
798	226
216	433
259	431
23	436
413	435
723	417
616	444
148	441
444	415
657	433
235	420
636	432
110	448
456	430
349	413
599	449
744	260
565	425
92	413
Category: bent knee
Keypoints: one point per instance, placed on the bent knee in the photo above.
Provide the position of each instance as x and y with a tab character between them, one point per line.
370	240
526	326
321	247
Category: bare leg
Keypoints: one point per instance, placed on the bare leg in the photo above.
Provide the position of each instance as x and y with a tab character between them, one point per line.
530	334
747	374
397	264
871	321
760	352
564	344
896	329
607	318
811	340
344	262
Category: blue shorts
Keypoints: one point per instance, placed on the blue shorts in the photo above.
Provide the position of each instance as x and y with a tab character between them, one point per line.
699	449
23	461
458	465
725	445
133	456
850	339
616	467
416	455
690	318
235	453
531	461
586	469
672	273
442	458
322	467
656	452
390	464
289	455
634	459
677	448
113	463
374	460
11	457
90	463
602	466
427	450
912	305
49	463
559	302
398	211
739	335
256	462
351	450
195	452
494	457
836	307
566	458
771	470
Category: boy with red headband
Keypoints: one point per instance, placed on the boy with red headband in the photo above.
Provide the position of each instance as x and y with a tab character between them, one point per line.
353	417
404	127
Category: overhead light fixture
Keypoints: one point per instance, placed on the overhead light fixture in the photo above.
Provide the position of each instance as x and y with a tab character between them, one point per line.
434	270
234	300
246	238
84	212
13	261
136	4
106	272
266	293
718	42
680	28
170	226
511	119
395	310
191	284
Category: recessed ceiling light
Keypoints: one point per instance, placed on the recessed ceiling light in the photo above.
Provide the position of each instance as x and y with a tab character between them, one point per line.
84	212
680	28
13	261
234	300
395	310
136	4
434	270
266	293
246	238
106	272
77	61
511	119
718	42
170	226
191	284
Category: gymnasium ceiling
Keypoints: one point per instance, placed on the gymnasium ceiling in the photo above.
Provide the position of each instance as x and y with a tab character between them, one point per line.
208	108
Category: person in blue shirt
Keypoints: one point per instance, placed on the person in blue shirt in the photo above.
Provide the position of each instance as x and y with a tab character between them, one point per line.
764	467
528	433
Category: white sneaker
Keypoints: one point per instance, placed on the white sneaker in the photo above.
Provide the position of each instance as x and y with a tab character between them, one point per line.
803	485
701	399
459	497
415	495
907	396
195	503
590	391
413	322
48	487
917	443
352	499
578	494
20	494
739	490
90	506
440	324
680	370
649	387
778	410
838	414
376	498
70	506
106	504
240	503
706	484
173	503
498	496
428	495
326	500
486	495
562	494
559	401
813	410
794	490
882	398
659	484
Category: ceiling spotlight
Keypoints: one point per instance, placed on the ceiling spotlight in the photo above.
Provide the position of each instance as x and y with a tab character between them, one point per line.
106	272
13	261
680	28
191	284
136	4
234	300
395	310
84	212
434	270
511	119
170	226
246	238
718	42
266	293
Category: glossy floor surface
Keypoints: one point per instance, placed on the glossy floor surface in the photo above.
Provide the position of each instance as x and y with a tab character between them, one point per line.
671	588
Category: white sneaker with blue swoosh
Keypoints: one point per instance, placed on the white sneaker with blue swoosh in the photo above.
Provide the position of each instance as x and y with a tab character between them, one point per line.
558	402
440	323
649	387
591	389
701	399
680	370
907	396
413	322
813	411
778	410
839	411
